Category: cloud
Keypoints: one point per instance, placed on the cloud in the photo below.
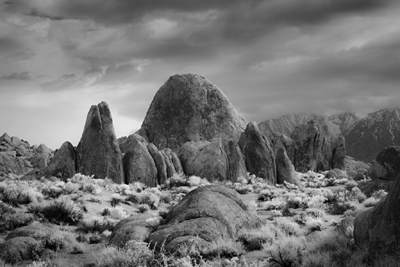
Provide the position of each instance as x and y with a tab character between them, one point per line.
23	76
36	13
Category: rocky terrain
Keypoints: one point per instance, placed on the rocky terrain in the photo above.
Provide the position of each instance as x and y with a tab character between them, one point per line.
198	185
378	129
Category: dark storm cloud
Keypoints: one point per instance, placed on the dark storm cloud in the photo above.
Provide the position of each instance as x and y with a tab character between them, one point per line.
22	76
378	60
36	13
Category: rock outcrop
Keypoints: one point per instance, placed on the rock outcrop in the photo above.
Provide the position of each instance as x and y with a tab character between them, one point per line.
98	152
387	164
204	159
311	147
285	171
258	153
63	163
18	157
137	228
187	108
378	229
139	165
160	163
205	215
339	154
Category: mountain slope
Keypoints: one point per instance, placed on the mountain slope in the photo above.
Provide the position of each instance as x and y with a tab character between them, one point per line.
365	137
368	136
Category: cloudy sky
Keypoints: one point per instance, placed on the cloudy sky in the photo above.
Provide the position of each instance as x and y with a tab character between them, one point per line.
272	57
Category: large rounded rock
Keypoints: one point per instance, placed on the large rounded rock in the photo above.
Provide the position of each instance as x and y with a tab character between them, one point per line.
160	163
137	228
139	165
285	171
190	108
207	214
33	230
98	152
62	164
379	229
387	164
204	159
18	249
258	153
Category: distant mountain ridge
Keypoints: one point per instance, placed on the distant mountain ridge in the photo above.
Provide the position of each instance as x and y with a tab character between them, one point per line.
365	137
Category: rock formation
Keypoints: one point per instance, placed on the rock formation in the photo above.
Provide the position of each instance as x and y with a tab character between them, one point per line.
378	228
285	171
204	159
339	154
18	157
207	214
236	162
190	108
98	152
63	163
258	153
139	165
136	228
387	164
160	163
311	147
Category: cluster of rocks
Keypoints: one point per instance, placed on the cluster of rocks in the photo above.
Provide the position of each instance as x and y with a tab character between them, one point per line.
314	148
377	229
19	157
192	127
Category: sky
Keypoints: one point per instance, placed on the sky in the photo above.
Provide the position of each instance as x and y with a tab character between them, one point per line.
270	58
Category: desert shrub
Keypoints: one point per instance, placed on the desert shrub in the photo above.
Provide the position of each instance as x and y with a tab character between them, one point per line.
287	252
105	212
350	185
346	226
288	227
91	226
71	187
10	221
152	200
222	248
52	191
132	254
338	208
14	195
62	210
166	198
379	194
116	199
197	181
177	180
117	213
255	239
92	189
94	200
143	208
95	238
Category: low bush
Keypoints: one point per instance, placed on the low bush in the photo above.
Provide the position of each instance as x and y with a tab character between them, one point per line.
62	210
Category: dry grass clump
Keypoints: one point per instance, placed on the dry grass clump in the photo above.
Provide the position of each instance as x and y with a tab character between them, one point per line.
11	219
13	193
62	210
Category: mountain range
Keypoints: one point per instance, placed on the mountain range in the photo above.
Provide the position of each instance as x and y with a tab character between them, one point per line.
365	136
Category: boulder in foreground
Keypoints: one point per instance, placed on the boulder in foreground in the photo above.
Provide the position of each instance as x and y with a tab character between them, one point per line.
205	215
